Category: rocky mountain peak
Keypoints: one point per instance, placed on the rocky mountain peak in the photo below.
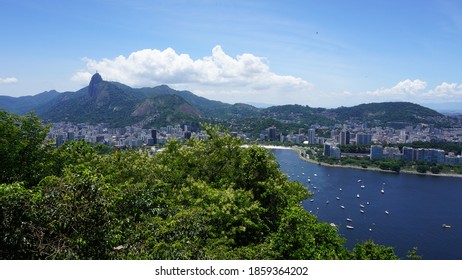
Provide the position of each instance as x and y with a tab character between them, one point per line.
92	87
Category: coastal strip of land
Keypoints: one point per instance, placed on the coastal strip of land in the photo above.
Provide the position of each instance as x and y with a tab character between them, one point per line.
298	150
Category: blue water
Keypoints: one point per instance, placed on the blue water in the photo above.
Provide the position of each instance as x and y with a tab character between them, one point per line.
418	206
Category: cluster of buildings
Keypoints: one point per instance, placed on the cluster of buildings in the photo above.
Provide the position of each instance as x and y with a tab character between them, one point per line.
412	154
361	134
331	138
130	136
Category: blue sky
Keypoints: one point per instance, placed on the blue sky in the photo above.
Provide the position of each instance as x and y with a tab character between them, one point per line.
317	53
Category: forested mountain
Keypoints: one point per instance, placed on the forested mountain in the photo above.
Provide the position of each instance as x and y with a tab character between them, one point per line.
385	112
120	105
24	104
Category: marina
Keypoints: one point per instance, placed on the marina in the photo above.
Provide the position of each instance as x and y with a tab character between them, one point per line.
399	210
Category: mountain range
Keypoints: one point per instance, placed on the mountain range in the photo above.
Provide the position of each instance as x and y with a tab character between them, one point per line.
120	105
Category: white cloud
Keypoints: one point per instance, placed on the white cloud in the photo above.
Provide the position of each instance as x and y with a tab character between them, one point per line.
10	80
218	76
446	90
401	89
416	91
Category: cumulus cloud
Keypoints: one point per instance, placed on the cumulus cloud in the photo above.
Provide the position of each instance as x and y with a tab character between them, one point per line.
10	80
218	74
446	90
403	88
417	91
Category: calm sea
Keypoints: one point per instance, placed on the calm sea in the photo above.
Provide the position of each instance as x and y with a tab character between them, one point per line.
409	213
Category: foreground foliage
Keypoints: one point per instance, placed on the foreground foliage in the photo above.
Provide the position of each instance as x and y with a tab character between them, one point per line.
200	200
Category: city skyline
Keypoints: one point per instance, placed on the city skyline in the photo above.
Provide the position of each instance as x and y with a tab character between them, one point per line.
326	54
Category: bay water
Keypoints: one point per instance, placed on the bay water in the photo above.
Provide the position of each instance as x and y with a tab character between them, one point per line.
410	212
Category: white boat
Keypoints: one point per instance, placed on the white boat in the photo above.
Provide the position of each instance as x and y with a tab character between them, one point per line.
446	226
337	197
357	195
309	180
350	227
382	191
362	186
315	174
359	180
349	220
340	189
341	206
312	199
360	205
386	212
361	210
332	225
327	202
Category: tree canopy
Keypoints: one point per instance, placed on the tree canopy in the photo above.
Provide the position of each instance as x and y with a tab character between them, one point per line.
203	199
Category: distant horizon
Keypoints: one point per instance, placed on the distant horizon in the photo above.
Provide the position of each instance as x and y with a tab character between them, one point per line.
322	54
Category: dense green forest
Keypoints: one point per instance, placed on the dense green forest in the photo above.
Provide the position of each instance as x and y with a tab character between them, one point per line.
196	200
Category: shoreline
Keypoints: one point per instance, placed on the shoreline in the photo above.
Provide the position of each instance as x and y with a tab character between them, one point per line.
374	169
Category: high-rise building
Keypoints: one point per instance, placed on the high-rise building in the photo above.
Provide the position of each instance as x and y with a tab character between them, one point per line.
331	150
272	133
154	136
312	136
70	135
326	151
335	152
408	154
376	152
59	140
363	139
344	137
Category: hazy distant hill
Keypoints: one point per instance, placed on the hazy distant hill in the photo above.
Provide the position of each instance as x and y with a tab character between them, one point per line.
24	104
121	105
